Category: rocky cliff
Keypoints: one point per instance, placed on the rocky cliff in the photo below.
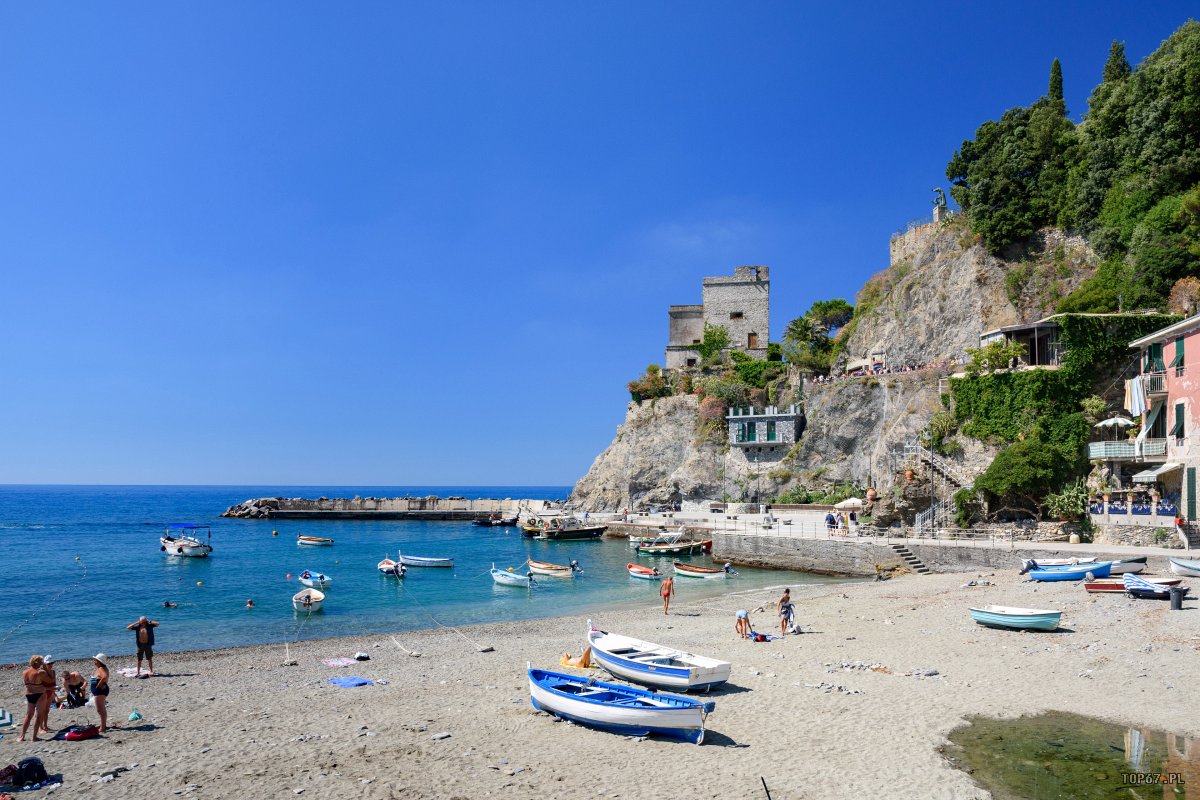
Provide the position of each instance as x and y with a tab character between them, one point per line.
940	292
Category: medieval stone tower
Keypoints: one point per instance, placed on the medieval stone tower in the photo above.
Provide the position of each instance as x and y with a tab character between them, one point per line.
740	303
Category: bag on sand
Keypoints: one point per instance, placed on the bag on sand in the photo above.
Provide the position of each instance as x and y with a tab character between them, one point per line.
8	775
80	732
30	770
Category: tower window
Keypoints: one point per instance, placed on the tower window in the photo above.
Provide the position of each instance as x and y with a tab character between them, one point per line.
736	315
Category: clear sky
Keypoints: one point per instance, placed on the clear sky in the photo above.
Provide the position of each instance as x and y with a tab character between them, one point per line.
394	243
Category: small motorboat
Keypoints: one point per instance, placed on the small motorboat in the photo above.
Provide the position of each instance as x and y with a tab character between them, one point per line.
1021	619
696	571
644	573
496	521
620	709
655	665
1060	562
1137	586
423	561
308	600
181	539
1128	565
510	578
1189	569
1119	585
563	529
389	567
1072	573
315	580
556	570
313	541
663	536
675	549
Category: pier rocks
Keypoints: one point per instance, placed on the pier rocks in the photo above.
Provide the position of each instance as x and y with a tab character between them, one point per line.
427	508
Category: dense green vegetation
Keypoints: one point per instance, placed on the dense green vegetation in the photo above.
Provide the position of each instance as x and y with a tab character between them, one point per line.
811	341
1128	175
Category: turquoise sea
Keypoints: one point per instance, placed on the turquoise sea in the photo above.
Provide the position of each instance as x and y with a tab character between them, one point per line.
82	562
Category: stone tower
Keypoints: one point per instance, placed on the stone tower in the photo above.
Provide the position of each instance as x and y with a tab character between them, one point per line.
740	303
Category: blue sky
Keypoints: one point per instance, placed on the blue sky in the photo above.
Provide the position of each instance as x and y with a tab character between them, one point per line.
391	243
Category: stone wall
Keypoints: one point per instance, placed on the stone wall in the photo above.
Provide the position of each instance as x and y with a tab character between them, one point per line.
746	293
1138	536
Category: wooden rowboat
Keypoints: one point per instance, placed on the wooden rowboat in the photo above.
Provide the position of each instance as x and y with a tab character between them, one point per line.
1128	565
1119	586
616	708
308	600
696	571
424	561
507	578
313	541
1062	562
655	665
555	570
645	573
1075	573
1181	566
1021	619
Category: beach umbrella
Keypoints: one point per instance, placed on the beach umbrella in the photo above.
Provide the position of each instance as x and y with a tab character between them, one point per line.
850	502
1114	422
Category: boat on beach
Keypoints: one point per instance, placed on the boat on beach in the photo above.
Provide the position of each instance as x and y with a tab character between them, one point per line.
616	708
1059	562
1021	619
555	570
1073	573
655	665
1137	586
308	600
510	578
1119	585
1189	569
696	571
1127	565
389	567
313	541
675	548
315	580
182	539
424	561
644	573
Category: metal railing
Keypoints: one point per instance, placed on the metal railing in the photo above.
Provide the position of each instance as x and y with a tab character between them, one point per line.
1156	383
1126	449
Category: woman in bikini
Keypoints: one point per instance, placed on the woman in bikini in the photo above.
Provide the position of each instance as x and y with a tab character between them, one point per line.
99	686
37	683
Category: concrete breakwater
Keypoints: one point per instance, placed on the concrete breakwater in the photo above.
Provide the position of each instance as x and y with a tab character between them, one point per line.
417	508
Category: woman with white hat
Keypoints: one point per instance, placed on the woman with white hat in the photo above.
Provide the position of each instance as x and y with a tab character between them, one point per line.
99	687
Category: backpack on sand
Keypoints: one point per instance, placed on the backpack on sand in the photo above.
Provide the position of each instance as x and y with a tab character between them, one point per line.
30	770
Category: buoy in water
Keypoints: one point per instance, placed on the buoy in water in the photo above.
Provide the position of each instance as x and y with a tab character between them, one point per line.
288	576
199	583
274	533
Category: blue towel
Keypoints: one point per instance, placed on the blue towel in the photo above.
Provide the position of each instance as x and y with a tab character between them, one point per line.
349	681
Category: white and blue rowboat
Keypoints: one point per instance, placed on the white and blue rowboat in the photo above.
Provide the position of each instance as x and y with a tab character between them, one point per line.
315	580
507	578
654	665
696	571
308	600
555	570
1021	619
1075	573
423	561
1126	565
314	541
620	709
1184	567
1137	586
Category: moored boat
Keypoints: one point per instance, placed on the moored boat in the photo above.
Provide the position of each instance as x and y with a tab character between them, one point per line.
645	573
620	709
663	536
655	665
315	580
313	541
510	578
696	571
1180	566
424	561
563	529
1021	619
308	600
556	570
1119	585
389	567
1073	573
675	548
1137	586
182	539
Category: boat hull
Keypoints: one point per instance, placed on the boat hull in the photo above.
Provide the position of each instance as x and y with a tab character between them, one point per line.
620	709
1133	565
692	571
308	600
572	534
1021	619
643	573
676	549
1119	586
552	570
1190	569
657	666
505	578
317	582
1064	562
422	561
188	548
313	541
1075	573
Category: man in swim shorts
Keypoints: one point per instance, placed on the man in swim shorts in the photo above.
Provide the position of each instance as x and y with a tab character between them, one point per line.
144	634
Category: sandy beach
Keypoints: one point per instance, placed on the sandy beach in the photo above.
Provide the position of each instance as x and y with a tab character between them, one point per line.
239	723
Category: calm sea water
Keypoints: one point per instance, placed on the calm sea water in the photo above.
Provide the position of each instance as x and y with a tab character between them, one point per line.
82	562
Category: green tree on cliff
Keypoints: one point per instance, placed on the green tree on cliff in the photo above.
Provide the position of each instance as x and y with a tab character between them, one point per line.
1055	90
808	340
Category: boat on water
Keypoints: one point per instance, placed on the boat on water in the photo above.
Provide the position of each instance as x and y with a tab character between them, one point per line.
663	536
424	561
183	539
1128	565
1119	585
510	578
315	580
1073	573
655	665
389	567
308	600
644	573
562	529
696	571
1137	586
496	521
1021	619
675	548
313	541
556	570
1189	569
620	709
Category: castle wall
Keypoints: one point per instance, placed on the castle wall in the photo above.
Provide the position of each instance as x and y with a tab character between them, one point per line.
741	304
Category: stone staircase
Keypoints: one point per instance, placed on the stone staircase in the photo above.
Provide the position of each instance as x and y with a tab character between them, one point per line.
935	517
1191	532
912	562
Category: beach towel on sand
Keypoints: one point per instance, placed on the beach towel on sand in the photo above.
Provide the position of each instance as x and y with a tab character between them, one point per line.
350	681
337	662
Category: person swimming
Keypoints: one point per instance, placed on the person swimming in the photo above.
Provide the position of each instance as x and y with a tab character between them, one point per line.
169	604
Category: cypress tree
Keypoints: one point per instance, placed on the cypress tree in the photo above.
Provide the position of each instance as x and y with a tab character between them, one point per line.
1055	92
1117	67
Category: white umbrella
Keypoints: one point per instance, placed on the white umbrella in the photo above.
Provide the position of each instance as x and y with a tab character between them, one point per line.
850	502
1114	422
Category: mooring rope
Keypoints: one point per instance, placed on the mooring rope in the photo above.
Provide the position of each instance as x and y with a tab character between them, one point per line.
48	603
436	621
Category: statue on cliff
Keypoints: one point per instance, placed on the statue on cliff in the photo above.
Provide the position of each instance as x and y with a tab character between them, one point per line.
939	200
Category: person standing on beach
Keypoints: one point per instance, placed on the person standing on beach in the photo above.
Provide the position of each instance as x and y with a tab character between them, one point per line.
100	688
787	612
43	714
144	634
36	686
667	590
742	623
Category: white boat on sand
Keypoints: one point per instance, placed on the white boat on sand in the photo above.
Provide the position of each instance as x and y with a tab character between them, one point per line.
655	665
